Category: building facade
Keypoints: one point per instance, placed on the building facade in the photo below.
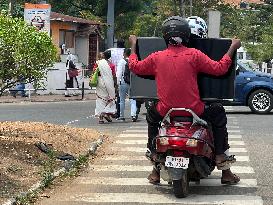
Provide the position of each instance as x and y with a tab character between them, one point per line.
77	36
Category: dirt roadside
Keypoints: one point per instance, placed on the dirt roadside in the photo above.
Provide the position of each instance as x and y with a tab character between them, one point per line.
23	163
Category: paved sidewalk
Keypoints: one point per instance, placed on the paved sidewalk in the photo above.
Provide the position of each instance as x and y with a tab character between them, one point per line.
45	98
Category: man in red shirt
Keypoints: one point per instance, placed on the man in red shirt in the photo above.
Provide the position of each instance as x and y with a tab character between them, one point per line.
176	69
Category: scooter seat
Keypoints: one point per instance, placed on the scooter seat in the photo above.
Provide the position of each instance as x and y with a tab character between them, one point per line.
182	119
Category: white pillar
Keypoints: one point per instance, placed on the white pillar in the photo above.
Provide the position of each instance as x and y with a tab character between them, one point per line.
214	24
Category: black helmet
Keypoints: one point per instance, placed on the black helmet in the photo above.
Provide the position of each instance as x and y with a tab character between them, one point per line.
107	54
176	26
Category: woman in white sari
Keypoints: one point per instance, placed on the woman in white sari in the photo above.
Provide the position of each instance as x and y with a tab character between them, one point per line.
105	90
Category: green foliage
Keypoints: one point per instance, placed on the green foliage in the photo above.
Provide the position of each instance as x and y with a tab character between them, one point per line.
253	27
25	53
144	18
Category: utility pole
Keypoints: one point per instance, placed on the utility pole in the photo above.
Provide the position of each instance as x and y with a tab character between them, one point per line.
110	23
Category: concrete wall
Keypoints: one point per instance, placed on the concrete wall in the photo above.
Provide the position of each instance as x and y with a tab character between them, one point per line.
56	79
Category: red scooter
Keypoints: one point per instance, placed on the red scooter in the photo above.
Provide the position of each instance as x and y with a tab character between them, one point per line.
185	150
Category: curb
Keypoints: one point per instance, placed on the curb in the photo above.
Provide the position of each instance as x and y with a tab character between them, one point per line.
67	167
53	100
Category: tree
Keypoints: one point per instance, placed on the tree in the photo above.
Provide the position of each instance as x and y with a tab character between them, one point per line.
254	27
25	53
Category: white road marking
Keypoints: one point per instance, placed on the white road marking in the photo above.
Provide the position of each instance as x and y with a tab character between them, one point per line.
144	182
143	158
125	158
146	131
230	136
234	122
235	143
145	136
144	142
136	131
233	127
165	199
133	168
233	131
232	149
144	149
146	127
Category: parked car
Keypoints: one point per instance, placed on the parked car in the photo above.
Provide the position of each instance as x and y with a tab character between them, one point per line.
253	89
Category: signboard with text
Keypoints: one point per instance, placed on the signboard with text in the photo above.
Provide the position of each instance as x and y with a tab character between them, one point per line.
38	15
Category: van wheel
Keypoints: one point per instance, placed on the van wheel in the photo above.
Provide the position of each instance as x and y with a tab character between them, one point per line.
260	101
181	187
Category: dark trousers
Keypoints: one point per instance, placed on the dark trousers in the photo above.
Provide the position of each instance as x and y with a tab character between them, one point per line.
138	105
214	114
70	84
118	107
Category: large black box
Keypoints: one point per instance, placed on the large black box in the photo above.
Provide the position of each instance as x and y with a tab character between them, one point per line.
211	87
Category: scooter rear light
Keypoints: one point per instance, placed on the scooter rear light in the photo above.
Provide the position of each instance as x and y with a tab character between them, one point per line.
180	142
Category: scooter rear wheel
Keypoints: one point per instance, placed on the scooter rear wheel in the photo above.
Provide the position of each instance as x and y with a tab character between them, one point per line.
181	187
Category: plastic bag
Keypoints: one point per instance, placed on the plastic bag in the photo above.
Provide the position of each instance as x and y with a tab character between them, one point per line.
94	78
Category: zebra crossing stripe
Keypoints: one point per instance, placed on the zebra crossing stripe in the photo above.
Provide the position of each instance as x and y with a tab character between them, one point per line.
135	168
144	182
145	136
146	127
143	158
144	142
230	136
164	199
146	131
234	131
144	149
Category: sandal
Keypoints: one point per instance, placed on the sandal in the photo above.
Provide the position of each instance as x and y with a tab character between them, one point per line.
227	160
154	177
107	117
151	156
232	181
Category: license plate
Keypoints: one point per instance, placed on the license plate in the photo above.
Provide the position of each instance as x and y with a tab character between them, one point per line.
177	162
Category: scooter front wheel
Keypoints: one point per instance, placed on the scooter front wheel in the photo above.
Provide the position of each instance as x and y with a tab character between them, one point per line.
181	186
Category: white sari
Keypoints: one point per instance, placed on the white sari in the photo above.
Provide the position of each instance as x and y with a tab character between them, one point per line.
105	90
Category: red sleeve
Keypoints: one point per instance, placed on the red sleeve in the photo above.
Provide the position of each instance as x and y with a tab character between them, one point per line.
206	65
112	66
95	66
144	67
